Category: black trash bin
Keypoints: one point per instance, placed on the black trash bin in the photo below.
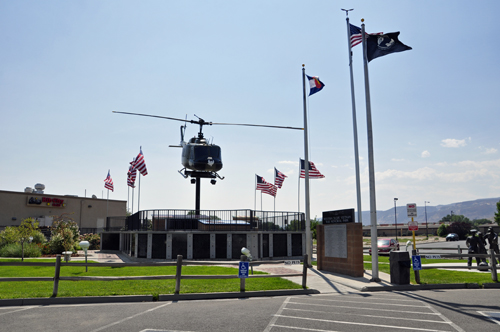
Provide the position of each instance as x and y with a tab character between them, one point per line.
400	267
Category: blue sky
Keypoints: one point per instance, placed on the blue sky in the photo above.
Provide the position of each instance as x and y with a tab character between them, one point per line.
66	65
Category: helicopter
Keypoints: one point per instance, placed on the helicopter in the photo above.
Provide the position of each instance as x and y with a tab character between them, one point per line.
200	158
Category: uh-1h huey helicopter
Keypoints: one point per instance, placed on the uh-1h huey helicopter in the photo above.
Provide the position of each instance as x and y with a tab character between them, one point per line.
200	158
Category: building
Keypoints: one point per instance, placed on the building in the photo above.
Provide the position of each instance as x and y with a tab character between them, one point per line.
88	212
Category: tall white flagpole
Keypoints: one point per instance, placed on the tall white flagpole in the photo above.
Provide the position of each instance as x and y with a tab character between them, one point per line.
139	193
306	169
371	168
354	122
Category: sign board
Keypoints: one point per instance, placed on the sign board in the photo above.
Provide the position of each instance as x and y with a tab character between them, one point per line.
417	263
243	270
411	208
413	225
338	216
432	256
292	262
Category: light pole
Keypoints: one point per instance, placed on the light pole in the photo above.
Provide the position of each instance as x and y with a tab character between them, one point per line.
426	226
395	218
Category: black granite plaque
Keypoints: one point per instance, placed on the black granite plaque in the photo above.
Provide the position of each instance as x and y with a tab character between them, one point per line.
338	216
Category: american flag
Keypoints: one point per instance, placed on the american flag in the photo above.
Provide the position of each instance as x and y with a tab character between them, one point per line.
279	178
356	37
266	187
140	164
108	182
313	172
131	175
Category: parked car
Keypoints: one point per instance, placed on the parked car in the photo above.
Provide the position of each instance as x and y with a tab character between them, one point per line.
385	246
452	237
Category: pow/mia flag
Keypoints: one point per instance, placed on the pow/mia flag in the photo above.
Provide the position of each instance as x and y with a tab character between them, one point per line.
380	45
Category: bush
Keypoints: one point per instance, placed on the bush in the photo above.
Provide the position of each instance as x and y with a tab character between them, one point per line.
442	230
461	228
9	235
93	239
15	250
38	238
65	235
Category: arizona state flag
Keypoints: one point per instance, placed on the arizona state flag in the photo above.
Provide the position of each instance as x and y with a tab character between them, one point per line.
380	45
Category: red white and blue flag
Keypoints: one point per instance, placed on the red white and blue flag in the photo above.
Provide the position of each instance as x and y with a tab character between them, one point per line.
279	178
357	37
315	84
313	171
108	182
131	175
266	187
139	163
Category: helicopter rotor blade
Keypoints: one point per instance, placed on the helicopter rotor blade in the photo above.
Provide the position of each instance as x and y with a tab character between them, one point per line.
254	125
158	116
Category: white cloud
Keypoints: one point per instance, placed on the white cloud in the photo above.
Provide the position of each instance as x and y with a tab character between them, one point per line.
426	154
490	151
395	159
453	143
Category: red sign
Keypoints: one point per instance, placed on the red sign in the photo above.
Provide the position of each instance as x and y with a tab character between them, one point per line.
413	226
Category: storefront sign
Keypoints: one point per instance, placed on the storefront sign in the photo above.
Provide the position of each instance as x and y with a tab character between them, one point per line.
45	201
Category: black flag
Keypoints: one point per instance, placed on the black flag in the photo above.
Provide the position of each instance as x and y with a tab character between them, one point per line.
380	45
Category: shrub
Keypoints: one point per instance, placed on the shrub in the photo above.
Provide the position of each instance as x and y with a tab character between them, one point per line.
93	239
65	235
15	250
38	238
9	235
442	230
461	228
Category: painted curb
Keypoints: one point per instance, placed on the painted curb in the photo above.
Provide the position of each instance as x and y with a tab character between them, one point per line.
75	300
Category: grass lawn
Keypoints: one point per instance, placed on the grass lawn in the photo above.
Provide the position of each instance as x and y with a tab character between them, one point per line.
434	276
31	289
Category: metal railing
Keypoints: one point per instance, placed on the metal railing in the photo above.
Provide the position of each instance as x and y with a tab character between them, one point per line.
208	220
178	275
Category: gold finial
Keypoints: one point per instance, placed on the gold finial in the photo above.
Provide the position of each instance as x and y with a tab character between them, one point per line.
303	65
362	20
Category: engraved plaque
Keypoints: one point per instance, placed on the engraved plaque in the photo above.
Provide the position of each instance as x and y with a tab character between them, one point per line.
336	241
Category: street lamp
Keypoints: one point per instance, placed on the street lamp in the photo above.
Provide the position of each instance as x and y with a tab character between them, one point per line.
395	218
426	226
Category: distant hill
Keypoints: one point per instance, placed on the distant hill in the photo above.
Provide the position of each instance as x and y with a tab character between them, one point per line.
478	209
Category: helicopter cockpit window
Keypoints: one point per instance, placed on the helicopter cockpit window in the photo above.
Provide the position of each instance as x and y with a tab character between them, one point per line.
203	152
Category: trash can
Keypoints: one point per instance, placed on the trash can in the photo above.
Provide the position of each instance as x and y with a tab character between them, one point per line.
400	267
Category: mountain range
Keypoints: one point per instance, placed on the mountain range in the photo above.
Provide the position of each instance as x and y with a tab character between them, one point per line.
478	209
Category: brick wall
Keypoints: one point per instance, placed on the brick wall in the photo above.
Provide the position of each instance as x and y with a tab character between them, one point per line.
353	264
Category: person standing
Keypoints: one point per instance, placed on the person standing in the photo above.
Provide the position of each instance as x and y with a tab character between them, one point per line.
492	238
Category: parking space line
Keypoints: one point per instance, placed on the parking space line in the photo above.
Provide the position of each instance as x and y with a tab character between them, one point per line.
21	309
492	315
275	318
372	316
133	316
443	317
303	328
385	304
374	309
361	324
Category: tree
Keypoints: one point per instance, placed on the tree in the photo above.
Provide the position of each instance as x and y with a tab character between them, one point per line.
314	223
26	231
442	230
497	214
461	228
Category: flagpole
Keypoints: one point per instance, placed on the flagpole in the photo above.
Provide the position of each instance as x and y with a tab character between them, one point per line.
298	195
371	169
255	194
354	123
139	194
306	168
107	203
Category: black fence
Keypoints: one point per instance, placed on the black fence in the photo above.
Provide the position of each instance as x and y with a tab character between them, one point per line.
208	220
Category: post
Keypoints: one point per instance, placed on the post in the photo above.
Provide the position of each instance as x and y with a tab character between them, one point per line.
56	275
414	253
178	273
493	263
459	251
243	258
304	272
